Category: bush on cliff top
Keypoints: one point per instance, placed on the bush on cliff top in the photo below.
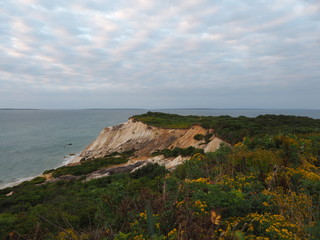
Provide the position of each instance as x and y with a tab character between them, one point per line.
233	129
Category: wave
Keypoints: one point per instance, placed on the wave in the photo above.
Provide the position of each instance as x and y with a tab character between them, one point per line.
67	160
16	182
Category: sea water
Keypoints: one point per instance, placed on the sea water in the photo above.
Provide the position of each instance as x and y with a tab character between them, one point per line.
32	141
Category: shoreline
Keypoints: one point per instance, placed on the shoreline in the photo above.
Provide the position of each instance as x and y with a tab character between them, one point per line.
70	159
66	160
16	182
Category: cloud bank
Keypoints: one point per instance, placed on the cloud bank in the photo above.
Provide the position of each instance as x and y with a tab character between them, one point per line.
160	54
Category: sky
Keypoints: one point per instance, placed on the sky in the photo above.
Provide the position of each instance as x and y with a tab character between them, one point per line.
58	54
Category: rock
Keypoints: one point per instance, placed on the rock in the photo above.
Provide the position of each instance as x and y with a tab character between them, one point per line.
175	162
9	194
213	145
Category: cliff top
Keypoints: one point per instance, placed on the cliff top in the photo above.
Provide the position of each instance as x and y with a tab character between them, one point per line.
234	129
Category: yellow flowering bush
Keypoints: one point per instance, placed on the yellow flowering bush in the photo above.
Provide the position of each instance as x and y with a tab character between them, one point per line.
306	174
200	180
198	156
139	237
239	145
200	207
296	207
139	227
260	226
70	234
172	234
246	183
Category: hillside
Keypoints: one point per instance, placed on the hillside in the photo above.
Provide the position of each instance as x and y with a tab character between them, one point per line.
264	186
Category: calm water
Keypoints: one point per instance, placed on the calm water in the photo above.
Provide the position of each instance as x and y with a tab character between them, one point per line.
32	141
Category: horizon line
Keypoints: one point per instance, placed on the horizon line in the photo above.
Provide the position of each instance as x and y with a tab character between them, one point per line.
186	108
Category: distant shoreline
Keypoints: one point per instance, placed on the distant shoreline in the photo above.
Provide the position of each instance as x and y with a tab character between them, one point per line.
9	109
161	109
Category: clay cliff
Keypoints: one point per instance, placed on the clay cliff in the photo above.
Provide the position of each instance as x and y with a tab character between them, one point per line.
145	139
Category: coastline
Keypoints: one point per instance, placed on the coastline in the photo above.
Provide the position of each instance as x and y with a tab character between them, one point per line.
81	114
16	182
66	160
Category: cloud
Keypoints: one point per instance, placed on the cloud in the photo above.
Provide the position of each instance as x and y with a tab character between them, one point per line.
165	50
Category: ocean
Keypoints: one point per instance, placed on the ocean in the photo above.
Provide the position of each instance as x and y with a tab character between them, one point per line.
32	141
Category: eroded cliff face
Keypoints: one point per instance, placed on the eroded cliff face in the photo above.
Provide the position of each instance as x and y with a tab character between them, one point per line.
145	139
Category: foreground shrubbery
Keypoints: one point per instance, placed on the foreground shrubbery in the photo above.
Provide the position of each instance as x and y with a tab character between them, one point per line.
264	187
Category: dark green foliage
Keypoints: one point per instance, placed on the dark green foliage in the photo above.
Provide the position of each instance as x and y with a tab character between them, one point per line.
165	120
207	137
233	129
7	220
232	201
205	166
201	137
191	169
150	220
314	231
48	171
38	180
88	166
151	170
198	137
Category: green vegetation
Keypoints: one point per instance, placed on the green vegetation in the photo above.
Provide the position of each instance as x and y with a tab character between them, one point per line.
165	120
201	137
175	152
38	180
266	186
233	129
91	165
88	166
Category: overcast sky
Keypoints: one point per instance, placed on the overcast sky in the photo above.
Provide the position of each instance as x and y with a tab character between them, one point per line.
160	54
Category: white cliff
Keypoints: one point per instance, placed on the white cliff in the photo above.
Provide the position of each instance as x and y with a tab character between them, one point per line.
145	139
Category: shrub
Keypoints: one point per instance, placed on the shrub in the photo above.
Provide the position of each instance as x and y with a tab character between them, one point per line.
7	222
88	166
38	180
198	137
189	151
48	171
